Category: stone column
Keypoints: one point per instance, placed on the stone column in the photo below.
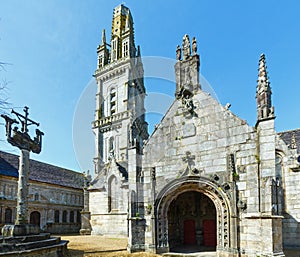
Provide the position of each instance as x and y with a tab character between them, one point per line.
22	201
85	213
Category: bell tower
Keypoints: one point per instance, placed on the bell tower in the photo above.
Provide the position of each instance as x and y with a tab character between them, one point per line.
119	118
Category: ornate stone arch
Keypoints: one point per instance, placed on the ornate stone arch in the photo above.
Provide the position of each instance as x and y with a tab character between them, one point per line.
225	231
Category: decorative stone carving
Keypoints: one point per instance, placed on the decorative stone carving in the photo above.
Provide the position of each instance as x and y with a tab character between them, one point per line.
242	206
189	170
188	104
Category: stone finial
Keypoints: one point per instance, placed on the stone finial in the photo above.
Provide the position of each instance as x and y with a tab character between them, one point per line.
178	53
103	41
194	46
186	47
293	141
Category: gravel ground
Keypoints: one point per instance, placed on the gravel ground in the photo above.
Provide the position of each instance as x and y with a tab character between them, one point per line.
92	246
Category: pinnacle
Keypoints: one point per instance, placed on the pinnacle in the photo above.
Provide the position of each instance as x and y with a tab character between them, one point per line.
103	42
262	72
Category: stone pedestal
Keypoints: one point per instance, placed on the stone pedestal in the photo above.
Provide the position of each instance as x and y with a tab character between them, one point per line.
136	240
20	230
85	223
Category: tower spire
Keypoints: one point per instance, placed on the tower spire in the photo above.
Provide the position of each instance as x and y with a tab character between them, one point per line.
265	109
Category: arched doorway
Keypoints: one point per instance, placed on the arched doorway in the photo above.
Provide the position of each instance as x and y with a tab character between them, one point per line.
192	222
35	218
215	220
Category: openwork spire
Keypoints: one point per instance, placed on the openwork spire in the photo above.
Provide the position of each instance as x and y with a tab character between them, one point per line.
265	109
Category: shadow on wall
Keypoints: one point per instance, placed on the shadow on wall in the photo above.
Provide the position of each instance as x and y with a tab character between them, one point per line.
291	234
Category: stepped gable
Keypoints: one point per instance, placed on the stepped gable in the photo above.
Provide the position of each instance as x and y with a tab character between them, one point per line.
41	172
291	138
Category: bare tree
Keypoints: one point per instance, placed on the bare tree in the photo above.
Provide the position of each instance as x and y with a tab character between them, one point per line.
4	104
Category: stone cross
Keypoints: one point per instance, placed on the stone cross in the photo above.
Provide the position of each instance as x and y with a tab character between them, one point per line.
23	141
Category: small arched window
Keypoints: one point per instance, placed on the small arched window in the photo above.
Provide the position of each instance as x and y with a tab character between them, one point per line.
8	216
64	217
56	216
111	144
72	216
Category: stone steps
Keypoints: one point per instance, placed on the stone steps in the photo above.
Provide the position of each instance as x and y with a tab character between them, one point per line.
32	245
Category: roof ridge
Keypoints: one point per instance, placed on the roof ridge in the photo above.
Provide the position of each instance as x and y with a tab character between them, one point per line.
291	130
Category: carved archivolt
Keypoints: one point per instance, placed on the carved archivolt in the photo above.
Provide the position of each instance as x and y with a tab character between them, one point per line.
197	184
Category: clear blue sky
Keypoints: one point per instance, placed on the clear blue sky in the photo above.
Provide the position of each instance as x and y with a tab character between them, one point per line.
51	47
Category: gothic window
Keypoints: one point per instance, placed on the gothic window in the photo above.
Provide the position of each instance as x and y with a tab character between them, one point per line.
56	216
113	102
112	194
64	217
278	166
8	216
125	49
71	216
278	194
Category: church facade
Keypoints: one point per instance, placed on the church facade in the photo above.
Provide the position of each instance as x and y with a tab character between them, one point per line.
204	178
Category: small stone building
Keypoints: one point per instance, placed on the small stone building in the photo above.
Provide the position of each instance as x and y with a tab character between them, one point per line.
205	178
55	197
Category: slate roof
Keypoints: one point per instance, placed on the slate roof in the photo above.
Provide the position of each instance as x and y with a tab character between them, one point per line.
287	136
41	172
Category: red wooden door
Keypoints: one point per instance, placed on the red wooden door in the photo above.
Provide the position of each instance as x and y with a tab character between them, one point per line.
189	232
209	233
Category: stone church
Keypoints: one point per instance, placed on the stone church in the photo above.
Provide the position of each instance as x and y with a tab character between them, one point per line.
205	178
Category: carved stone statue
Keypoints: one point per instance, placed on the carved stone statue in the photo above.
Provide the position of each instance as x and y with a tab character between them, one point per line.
178	53
194	46
186	47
